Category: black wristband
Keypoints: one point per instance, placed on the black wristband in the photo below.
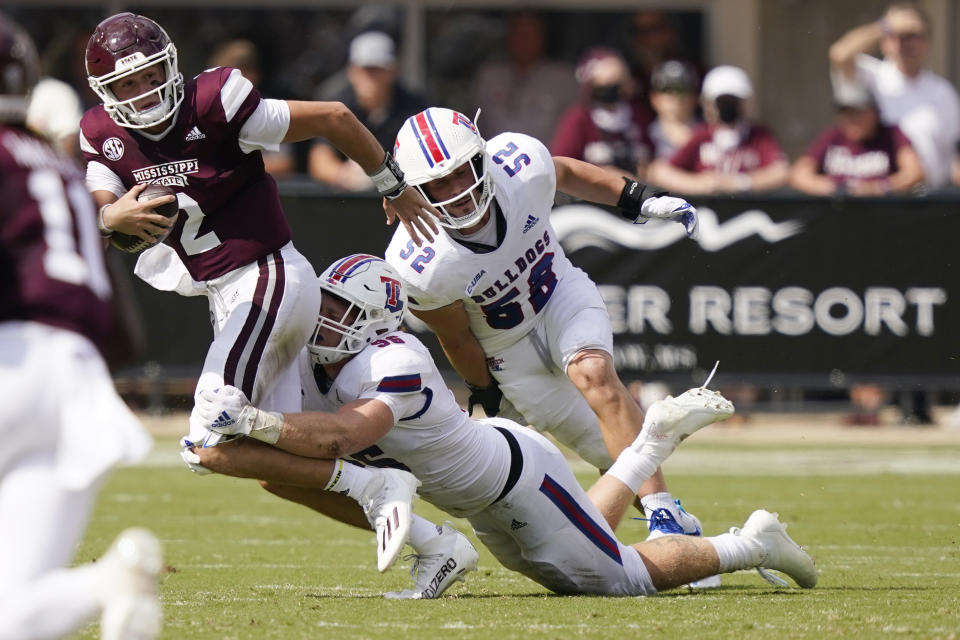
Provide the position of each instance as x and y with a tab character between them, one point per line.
633	195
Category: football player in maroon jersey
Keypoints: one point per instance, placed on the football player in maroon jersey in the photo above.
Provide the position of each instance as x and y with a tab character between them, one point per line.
231	240
63	425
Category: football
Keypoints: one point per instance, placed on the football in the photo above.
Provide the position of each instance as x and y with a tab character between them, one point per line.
133	244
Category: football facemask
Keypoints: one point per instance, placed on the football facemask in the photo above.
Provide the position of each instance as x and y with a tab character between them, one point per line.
433	144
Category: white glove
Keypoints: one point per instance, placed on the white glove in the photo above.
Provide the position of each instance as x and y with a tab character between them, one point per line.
228	411
669	208
192	460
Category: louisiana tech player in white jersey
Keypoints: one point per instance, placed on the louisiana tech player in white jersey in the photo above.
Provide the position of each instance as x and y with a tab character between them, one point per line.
503	289
379	391
514	317
511	312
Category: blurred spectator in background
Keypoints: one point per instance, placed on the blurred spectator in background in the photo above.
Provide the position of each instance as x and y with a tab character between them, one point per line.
55	113
858	155
729	153
379	101
606	128
526	92
924	105
242	54
674	89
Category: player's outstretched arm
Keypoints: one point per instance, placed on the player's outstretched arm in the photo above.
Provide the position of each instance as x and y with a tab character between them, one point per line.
335	122
637	201
354	427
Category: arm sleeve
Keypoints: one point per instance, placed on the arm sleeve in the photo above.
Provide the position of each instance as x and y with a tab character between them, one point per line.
102	178
266	127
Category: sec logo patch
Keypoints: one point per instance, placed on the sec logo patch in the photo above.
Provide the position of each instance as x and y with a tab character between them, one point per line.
113	149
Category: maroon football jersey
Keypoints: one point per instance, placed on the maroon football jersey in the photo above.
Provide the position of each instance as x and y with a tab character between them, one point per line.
843	159
51	255
231	210
757	149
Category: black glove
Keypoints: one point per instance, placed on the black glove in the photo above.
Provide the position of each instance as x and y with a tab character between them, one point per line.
632	197
487	397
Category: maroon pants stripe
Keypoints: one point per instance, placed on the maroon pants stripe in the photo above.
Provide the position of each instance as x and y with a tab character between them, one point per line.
250	373
256	308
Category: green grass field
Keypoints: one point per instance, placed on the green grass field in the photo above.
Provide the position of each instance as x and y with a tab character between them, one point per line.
881	520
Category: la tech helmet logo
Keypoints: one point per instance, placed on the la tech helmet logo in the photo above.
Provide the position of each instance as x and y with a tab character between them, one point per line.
394	302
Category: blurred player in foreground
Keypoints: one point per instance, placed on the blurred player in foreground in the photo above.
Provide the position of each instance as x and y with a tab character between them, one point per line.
63	425
231	241
375	392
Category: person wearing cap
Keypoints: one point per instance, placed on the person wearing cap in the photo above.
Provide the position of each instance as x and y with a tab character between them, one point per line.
674	87
606	128
923	104
859	155
378	100
729	153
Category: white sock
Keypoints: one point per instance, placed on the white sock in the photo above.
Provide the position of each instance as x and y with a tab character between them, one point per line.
736	552
348	479
661	500
422	531
54	605
633	468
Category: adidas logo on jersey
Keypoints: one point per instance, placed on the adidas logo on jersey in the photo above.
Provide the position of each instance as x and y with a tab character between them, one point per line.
195	134
516	524
531	220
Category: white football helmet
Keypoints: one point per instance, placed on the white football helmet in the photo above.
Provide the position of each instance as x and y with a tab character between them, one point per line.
375	302
434	143
125	44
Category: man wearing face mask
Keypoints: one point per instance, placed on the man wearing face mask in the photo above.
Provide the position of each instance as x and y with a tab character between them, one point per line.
729	153
606	128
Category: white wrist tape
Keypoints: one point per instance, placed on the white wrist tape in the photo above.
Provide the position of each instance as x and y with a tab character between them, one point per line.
388	178
266	426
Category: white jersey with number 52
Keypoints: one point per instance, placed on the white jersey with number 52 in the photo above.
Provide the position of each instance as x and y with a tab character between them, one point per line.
503	290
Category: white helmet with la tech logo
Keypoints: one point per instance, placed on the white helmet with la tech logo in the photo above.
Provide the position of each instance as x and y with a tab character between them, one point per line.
374	299
434	143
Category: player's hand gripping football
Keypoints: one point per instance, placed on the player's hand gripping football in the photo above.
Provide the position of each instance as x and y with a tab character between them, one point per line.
132	217
228	411
416	215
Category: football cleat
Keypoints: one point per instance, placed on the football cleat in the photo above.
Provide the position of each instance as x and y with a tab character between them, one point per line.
780	552
132	608
666	522
675	419
442	562
387	502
